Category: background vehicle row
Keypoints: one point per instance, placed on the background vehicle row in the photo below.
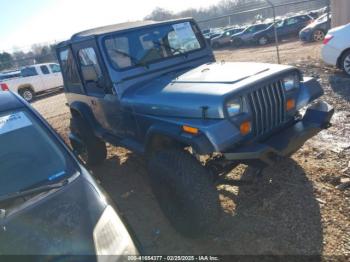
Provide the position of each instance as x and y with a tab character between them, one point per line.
33	80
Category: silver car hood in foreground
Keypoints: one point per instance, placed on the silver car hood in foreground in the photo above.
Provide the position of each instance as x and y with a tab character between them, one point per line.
208	85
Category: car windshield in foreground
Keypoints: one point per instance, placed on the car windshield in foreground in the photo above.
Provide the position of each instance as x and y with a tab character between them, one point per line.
152	44
29	155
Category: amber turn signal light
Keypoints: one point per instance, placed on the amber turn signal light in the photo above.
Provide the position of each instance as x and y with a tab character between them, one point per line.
190	130
245	128
290	104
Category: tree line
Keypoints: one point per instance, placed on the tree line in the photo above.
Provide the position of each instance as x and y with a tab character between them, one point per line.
211	15
37	54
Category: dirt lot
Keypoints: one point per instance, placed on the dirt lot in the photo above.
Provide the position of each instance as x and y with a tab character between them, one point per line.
294	209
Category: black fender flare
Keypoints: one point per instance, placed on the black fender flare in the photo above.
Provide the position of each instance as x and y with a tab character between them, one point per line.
200	143
84	111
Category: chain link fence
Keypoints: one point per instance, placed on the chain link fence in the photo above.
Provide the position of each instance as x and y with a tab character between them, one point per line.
281	20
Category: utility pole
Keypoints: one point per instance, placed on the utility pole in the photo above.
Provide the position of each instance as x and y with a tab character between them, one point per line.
275	29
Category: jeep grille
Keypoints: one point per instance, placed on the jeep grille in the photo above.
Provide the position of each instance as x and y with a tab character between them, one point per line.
268	108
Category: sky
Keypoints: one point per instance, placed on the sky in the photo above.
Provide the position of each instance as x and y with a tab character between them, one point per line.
26	22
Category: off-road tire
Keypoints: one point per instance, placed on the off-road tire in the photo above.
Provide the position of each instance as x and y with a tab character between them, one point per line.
27	94
185	192
95	151
345	62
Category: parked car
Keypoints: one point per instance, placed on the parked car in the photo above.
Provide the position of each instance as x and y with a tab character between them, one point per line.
336	48
49	203
155	88
246	36
225	37
34	80
287	27
210	36
9	75
317	30
206	31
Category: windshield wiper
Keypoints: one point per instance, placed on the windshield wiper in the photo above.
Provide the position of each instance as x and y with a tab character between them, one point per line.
31	191
134	60
179	50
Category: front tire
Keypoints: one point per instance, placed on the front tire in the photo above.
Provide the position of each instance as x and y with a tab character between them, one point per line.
345	62
93	151
185	192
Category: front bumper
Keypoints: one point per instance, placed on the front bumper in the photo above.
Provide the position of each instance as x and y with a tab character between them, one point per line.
289	140
306	36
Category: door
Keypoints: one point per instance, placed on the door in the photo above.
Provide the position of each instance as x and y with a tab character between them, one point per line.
103	102
292	26
46	77
56	75
30	75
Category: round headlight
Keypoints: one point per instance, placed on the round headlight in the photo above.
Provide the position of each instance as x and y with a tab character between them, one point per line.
234	107
291	82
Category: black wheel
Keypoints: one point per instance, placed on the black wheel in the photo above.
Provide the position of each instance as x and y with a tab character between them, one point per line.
318	35
27	94
345	62
93	151
185	192
263	40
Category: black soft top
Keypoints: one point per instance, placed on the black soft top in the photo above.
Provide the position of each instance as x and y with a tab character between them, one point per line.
115	28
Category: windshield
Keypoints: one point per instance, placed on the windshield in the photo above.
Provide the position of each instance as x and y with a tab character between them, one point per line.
255	28
152	44
323	18
28	154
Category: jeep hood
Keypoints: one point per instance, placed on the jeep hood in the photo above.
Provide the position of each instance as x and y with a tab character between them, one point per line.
187	93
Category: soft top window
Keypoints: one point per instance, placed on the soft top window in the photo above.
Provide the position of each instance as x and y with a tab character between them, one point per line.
152	44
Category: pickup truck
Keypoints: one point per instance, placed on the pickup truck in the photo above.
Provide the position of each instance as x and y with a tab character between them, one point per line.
34	80
156	89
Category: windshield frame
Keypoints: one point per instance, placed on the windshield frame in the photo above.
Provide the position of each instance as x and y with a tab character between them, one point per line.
201	40
323	18
71	163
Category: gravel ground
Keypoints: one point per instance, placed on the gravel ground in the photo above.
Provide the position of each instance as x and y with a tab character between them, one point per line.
294	209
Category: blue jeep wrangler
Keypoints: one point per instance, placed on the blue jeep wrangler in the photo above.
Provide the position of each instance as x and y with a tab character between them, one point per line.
155	88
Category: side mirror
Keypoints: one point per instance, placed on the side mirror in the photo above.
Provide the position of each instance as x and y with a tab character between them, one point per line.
89	73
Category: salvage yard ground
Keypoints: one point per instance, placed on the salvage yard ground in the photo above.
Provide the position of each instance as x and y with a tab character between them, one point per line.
296	208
